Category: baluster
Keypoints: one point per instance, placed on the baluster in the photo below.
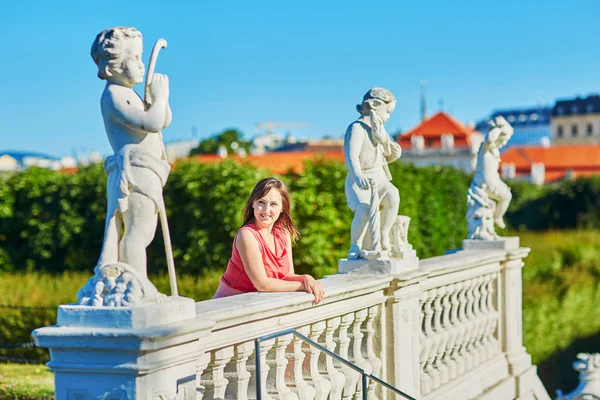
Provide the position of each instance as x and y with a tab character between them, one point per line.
369	349
295	373
481	314
343	340
356	355
427	340
459	350
278	362
237	373
471	324
201	365
311	364
213	378
493	345
336	377
441	340
264	371
450	302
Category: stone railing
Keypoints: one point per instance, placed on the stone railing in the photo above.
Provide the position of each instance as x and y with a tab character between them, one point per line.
450	329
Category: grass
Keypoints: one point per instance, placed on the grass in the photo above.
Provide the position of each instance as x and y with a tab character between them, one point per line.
24	382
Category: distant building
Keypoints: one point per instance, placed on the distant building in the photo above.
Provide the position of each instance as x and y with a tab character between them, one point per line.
539	165
315	146
576	121
531	125
19	160
276	162
180	148
441	140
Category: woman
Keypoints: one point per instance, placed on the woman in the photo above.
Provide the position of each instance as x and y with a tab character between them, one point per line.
261	258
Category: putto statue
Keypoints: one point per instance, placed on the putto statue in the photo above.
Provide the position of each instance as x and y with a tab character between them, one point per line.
137	171
374	199
488	197
588	366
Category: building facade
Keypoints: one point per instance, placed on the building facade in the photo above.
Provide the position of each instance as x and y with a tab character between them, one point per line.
441	140
531	124
576	121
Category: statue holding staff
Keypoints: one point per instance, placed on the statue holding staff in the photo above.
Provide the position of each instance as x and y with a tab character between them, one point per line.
138	170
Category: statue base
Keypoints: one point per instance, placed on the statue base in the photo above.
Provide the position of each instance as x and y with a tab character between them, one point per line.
144	352
139	317
502	243
387	266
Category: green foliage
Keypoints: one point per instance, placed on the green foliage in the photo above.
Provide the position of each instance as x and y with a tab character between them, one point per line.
566	205
225	138
55	222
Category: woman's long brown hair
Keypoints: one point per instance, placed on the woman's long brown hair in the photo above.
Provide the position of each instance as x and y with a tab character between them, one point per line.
285	220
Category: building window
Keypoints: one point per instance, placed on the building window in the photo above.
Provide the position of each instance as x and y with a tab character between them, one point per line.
522	117
533	117
574	130
590	108
511	118
590	129
559	131
560	110
574	109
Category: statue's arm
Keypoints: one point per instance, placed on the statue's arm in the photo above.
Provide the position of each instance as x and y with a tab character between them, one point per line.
394	152
355	139
123	112
169	117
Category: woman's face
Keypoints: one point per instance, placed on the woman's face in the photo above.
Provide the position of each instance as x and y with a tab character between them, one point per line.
267	209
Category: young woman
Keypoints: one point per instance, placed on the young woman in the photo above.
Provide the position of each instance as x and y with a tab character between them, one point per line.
261	258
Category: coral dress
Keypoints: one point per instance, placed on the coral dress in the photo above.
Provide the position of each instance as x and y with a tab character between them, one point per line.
277	264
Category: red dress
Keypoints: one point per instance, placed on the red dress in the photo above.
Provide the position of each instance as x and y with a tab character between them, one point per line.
277	264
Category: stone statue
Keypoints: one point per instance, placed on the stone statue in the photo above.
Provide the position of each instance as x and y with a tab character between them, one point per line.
588	366
137	171
488	197
374	199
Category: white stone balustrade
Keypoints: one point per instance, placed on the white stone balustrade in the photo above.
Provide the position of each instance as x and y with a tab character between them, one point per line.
448	330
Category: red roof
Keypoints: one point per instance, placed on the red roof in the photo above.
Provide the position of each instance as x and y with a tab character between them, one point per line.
437	125
278	162
582	160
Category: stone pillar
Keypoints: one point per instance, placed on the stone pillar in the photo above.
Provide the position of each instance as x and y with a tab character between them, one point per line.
403	326
143	352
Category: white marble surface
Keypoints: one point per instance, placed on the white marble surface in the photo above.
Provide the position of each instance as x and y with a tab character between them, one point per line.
488	197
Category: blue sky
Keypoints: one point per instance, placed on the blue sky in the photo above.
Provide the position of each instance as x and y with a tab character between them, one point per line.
236	63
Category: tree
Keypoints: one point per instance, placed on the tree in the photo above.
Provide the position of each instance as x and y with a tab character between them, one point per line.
224	138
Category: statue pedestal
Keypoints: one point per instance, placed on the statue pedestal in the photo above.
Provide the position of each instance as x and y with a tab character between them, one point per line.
144	352
386	266
503	243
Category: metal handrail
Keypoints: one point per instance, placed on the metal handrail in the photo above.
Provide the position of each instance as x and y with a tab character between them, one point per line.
365	375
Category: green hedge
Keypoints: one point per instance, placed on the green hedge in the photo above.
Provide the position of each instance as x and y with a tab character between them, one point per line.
54	222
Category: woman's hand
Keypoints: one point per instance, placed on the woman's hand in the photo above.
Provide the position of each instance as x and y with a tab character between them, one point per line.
313	287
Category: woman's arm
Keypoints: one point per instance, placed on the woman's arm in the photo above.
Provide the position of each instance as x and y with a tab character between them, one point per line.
247	246
310	284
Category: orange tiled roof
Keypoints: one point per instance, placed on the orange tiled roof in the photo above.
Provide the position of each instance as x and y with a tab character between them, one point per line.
278	163
561	157
435	126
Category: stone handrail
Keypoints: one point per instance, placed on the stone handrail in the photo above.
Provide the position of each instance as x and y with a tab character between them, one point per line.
450	329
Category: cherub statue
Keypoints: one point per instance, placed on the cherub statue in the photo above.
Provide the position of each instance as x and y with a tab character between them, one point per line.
138	170
367	150
588	366
488	195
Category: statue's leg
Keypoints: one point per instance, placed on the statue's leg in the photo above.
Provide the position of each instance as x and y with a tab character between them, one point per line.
358	229
503	196
110	246
140	226
390	202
